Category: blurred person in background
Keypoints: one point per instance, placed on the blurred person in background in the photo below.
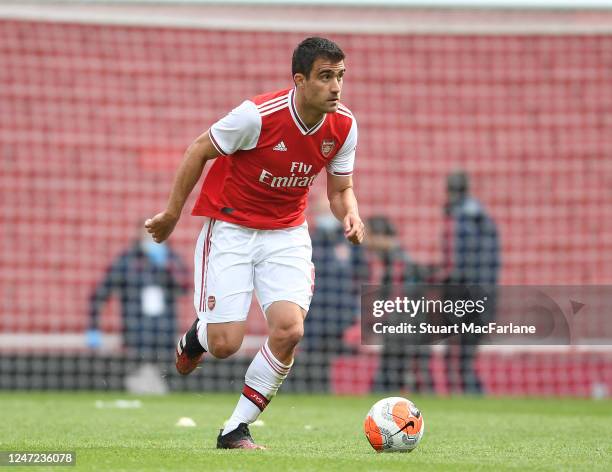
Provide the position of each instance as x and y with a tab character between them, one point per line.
471	257
341	269
403	363
147	278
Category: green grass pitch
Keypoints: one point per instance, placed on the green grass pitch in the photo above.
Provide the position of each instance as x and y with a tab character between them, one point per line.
308	432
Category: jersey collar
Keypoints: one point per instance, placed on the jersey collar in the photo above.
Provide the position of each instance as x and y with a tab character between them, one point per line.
298	121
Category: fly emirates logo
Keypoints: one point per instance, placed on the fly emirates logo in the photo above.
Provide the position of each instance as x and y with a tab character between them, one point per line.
299	177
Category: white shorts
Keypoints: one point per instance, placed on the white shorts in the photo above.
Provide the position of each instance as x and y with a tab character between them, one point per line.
232	260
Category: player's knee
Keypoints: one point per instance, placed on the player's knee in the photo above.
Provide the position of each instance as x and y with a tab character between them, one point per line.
225	339
290	335
223	349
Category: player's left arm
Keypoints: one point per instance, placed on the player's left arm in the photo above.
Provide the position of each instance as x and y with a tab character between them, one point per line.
340	193
343	204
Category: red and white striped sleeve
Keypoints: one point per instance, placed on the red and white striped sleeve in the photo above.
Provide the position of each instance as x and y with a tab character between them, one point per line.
342	164
238	130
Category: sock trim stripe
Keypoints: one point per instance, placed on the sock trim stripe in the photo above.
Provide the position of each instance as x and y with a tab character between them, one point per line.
255	397
275	368
271	357
280	365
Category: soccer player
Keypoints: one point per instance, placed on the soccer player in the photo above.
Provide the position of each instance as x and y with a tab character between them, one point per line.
268	152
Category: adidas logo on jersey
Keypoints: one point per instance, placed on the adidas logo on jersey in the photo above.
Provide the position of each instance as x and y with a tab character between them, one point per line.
280	147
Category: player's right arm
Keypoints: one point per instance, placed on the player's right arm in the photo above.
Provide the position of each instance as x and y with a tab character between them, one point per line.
189	172
239	129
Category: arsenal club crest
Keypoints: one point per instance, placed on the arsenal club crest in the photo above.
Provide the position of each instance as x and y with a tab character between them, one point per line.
327	146
211	302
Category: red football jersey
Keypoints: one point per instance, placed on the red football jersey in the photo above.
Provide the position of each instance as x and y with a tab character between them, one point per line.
270	159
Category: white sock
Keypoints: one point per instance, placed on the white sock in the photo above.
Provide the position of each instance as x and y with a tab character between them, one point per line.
203	334
261	382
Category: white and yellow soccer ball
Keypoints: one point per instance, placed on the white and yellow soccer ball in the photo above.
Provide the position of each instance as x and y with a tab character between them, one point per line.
394	424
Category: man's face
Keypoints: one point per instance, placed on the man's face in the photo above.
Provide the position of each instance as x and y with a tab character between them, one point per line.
323	87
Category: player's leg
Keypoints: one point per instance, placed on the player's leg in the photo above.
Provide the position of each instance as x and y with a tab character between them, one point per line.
222	296
286	329
271	364
265	374
284	284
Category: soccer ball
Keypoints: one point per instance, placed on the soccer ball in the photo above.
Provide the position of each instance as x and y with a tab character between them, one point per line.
394	424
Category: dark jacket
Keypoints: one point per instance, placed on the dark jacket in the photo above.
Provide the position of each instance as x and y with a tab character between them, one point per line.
340	269
471	245
129	277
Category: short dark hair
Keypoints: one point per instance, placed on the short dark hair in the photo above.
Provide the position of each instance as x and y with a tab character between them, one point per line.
309	50
458	182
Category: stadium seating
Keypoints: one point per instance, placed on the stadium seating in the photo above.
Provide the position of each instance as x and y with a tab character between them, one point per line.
95	119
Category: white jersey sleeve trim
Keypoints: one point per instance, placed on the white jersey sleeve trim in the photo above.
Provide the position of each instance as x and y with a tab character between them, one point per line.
344	161
238	130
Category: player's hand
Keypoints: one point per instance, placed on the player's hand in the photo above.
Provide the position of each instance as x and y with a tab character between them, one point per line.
161	226
354	229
